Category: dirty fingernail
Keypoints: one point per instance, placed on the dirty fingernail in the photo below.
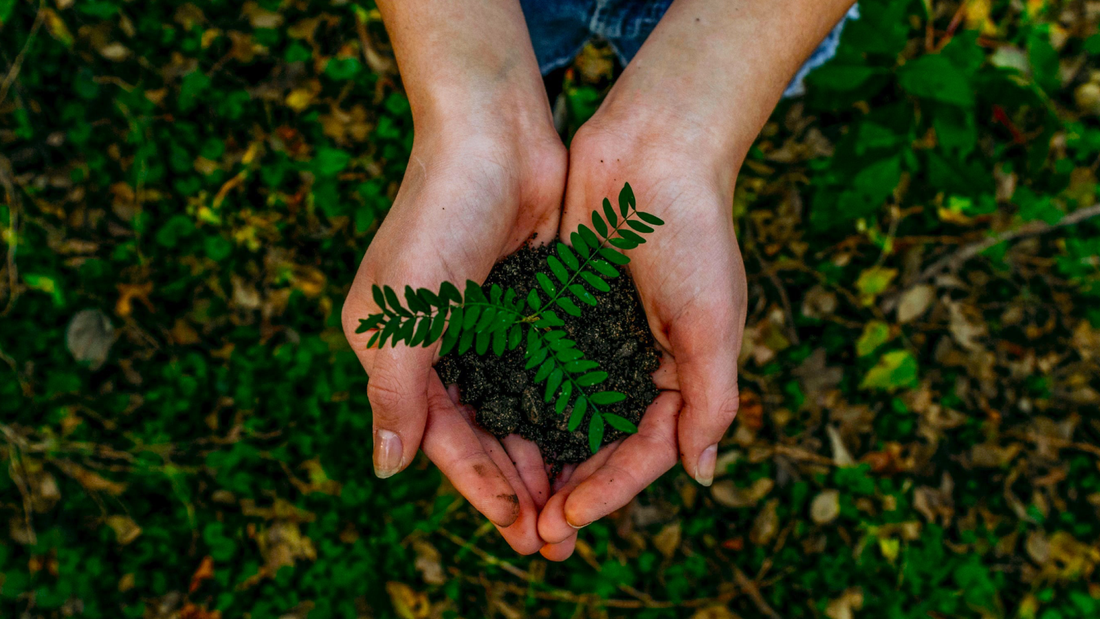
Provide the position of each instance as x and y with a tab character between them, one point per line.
577	526
704	470
387	453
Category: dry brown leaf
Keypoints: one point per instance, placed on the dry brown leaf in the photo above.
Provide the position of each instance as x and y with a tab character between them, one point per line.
825	507
728	494
429	563
126	530
914	302
668	539
766	524
89	337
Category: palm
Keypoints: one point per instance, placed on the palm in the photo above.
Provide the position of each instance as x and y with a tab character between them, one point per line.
692	285
458	212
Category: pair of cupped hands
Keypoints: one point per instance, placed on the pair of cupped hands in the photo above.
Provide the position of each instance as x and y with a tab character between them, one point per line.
478	187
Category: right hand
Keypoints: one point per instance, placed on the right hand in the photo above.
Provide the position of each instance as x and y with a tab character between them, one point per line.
472	194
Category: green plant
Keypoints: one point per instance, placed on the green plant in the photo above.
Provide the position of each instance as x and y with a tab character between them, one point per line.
497	321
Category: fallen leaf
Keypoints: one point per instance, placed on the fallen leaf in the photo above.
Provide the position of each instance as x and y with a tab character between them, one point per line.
668	539
825	507
728	494
841	455
914	302
766	525
844	606
205	571
126	530
429	563
89	337
407	602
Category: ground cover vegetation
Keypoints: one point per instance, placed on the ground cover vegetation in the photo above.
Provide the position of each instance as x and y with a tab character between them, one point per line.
186	189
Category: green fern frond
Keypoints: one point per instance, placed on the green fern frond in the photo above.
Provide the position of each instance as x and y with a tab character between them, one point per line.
497	321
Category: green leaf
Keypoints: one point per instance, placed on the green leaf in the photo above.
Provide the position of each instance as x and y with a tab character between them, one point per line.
569	354
379	298
580	405
934	77
484	338
552	384
604	268
449	291
428	297
6	7
500	341
639	226
582	294
544	371
595	433
330	161
439	322
515	336
594	281
651	219
450	338
592	378
373	339
579	245
423	326
613	256
622	424
609	213
599	225
894	370
395	304
875	334
414	302
567	305
632	236
607	397
581	365
369	323
563	399
533	300
558	269
626	200
458	317
623	244
547	285
388	332
873	282
470	319
487	316
589	236
568	257
537	357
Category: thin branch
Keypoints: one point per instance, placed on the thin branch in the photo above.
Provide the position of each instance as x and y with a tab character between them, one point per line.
7	182
13	73
957	259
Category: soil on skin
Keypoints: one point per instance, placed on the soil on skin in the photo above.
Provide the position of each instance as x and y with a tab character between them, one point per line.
614	333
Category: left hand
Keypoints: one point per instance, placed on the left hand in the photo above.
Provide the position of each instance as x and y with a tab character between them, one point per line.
692	285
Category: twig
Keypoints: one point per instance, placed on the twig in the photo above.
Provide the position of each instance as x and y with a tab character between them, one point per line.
13	73
1060	443
1035	228
753	591
13	231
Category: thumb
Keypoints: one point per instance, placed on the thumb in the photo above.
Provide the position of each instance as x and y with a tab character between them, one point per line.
706	363
398	392
397	389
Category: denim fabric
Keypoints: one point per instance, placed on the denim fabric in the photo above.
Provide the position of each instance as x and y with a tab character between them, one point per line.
560	28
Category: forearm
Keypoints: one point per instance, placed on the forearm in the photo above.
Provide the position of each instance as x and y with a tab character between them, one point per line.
717	69
466	60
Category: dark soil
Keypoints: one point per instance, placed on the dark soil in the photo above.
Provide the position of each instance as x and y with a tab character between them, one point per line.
614	333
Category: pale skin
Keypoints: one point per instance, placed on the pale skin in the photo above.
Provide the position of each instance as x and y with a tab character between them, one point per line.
488	170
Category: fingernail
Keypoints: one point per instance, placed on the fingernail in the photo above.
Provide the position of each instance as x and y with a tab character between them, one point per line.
387	454
704	470
577	526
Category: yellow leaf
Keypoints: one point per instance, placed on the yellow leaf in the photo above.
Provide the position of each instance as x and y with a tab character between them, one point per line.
126	530
408	603
299	99
889	548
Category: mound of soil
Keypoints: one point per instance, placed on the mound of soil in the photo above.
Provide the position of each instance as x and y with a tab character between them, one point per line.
613	333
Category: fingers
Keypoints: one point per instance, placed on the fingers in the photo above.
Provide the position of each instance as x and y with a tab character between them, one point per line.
397	391
560	551
616	474
528	462
638	462
451	443
522	535
706	363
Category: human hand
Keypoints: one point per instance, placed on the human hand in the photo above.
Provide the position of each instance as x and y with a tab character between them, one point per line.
471	196
691	282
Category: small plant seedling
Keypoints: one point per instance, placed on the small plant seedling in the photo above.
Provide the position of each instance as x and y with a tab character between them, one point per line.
500	320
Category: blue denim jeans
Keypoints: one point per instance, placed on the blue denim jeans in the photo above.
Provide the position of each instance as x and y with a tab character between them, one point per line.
560	28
